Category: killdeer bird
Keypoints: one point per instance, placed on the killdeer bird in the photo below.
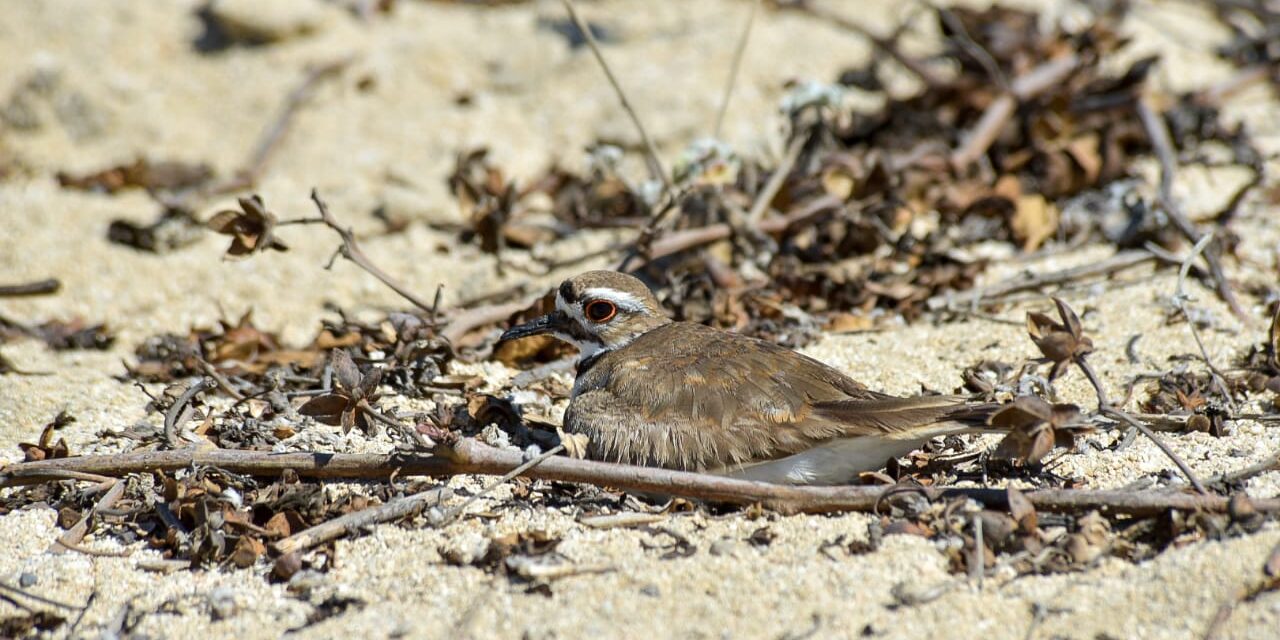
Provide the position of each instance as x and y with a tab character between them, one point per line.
681	395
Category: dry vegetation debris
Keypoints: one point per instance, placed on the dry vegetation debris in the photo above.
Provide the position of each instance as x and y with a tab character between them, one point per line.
1017	135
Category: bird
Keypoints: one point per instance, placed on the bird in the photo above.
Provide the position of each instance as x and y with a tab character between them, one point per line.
655	392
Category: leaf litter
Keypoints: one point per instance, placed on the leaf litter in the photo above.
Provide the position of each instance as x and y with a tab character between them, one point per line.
879	213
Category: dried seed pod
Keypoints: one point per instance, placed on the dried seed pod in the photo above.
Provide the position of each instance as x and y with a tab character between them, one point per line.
1060	342
252	228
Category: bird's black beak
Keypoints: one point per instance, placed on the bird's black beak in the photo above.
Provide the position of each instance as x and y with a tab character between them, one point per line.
553	322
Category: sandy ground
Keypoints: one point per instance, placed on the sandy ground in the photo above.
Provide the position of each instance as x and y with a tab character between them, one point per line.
126	81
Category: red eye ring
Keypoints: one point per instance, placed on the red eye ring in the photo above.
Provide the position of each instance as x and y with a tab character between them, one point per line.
599	311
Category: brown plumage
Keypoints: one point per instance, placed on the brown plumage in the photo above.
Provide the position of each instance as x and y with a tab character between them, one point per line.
685	396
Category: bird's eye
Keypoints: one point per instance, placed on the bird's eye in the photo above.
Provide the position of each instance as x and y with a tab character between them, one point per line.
600	311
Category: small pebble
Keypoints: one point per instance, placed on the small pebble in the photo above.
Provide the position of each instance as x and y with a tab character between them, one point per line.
722	547
27	579
222	603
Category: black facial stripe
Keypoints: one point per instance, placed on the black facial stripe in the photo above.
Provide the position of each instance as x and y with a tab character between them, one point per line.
566	293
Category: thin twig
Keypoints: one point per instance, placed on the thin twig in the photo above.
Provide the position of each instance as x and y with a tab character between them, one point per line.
275	133
1180	300
1103	401
977	140
37	288
223	382
356	521
734	68
467	321
41	599
471	457
776	179
885	45
977	51
73	536
533	462
1251	471
977	560
1151	435
177	413
655	162
1162	144
979	296
690	238
1107	409
351	251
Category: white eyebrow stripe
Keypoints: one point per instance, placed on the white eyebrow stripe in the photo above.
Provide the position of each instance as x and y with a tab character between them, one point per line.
624	300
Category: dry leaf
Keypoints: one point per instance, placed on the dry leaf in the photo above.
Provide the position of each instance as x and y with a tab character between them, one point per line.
1022	510
1034	221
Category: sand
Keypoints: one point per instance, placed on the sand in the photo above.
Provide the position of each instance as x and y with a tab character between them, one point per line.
126	81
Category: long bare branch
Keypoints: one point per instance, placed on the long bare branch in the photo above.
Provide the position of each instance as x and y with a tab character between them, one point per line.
471	457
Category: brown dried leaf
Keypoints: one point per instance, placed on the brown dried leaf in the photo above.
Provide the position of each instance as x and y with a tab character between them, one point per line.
1034	221
142	173
1022	510
327	408
1035	427
247	551
345	372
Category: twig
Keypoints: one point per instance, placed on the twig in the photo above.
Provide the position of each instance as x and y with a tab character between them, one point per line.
1105	408
1162	144
1180	300
37	288
886	45
73	536
471	457
87	477
59	546
971	46
979	296
1083	364
177	411
1220	618
1240	475
776	179
690	238
980	138
41	599
734	68
249	175
1216	94
466	321
655	162
977	560
351	251
223	383
354	522
533	462
1151	435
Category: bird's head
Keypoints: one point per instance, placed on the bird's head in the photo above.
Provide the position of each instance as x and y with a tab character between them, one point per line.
597	311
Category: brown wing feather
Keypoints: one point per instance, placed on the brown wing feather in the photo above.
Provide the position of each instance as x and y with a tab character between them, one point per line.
714	398
893	416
